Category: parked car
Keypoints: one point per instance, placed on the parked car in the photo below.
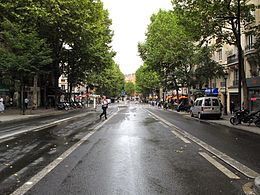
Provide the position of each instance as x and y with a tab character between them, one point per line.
183	106
206	107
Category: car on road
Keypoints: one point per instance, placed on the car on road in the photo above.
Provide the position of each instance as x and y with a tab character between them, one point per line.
206	107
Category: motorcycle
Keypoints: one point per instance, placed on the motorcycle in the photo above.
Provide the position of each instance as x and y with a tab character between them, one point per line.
63	106
244	116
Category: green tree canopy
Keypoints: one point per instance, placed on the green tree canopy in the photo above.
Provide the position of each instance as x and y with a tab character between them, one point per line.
217	19
147	81
82	24
22	51
130	88
109	80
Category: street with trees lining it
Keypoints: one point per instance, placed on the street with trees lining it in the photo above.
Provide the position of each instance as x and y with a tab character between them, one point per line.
176	45
40	41
139	149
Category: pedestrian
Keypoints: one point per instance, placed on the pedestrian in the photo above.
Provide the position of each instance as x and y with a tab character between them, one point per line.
232	107
104	104
26	102
2	106
221	106
11	102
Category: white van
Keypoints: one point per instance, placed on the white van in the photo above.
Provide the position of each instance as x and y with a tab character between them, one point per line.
206	106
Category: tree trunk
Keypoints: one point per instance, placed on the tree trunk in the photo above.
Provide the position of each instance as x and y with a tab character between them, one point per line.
244	86
35	94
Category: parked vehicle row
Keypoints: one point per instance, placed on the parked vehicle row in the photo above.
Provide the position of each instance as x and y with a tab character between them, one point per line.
244	116
68	106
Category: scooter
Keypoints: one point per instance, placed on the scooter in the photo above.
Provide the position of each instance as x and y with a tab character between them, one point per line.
244	116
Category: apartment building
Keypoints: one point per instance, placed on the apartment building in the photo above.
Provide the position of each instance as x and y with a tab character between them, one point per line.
228	57
130	78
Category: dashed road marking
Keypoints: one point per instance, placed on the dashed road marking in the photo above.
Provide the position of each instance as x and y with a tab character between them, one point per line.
36	178
181	137
222	156
219	166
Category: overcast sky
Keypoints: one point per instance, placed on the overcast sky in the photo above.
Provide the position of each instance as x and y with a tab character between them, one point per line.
130	19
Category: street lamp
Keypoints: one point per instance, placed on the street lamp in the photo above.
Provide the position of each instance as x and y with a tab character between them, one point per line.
225	93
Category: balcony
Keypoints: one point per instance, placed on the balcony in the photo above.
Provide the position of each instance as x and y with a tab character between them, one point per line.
232	59
249	49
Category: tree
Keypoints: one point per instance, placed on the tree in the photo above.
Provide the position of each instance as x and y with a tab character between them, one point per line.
147	81
207	68
23	53
130	88
168	48
109	80
171	50
217	19
82	24
22	50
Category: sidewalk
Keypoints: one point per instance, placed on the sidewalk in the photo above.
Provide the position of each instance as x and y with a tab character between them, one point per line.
14	114
225	121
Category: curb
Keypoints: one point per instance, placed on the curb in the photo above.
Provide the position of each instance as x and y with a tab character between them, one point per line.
41	115
226	125
31	117
257	185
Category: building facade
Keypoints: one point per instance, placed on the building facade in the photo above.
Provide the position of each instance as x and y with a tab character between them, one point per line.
228	57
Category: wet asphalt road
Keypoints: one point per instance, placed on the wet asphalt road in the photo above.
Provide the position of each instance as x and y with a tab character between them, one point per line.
240	145
135	153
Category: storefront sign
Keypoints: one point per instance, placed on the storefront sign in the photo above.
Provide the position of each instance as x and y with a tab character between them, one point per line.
213	91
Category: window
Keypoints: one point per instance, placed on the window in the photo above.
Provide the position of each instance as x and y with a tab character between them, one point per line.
219	53
199	102
236	75
207	102
215	102
249	41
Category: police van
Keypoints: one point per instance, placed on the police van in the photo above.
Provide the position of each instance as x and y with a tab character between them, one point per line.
206	107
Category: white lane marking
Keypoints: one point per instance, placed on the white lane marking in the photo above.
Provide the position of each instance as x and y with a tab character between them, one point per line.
181	137
230	161
41	127
36	178
219	166
164	125
224	157
170	125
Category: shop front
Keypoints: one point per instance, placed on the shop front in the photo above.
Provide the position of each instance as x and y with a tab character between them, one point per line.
253	85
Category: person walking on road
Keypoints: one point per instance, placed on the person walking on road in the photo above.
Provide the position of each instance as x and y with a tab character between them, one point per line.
2	106
104	104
